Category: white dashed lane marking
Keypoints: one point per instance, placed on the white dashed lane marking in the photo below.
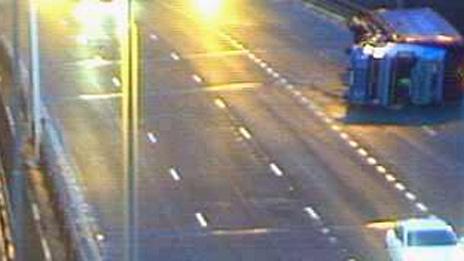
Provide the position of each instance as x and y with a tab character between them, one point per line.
429	130
197	78
390	178
245	133
410	196
400	186
152	138
381	169
46	249
100	237
35	212
201	219
220	103
336	127
312	213
154	37
276	170
116	82
422	207
371	161
174	174
325	230
353	143
362	152
175	56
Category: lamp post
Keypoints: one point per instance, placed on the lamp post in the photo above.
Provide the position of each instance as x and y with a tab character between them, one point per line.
130	115
35	77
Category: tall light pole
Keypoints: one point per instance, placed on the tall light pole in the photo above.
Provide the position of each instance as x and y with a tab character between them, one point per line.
35	77
130	115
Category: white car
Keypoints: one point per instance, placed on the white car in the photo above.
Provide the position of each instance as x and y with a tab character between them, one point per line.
428	239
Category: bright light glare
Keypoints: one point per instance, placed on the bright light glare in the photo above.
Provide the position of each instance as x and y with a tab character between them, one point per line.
90	11
92	15
209	8
53	8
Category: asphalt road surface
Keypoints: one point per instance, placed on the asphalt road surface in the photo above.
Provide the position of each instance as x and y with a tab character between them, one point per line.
245	150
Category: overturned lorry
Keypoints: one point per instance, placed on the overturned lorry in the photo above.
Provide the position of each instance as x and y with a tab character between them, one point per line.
404	57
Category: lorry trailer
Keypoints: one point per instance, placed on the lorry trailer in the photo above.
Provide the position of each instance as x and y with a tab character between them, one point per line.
404	57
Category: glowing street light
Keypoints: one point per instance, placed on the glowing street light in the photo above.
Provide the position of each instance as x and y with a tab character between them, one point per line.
209	9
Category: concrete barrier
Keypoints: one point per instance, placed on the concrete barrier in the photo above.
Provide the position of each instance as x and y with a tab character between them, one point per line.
75	217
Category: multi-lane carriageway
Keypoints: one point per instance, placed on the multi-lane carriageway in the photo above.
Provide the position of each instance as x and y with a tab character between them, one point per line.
242	156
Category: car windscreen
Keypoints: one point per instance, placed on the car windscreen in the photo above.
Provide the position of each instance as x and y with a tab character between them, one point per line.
431	238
